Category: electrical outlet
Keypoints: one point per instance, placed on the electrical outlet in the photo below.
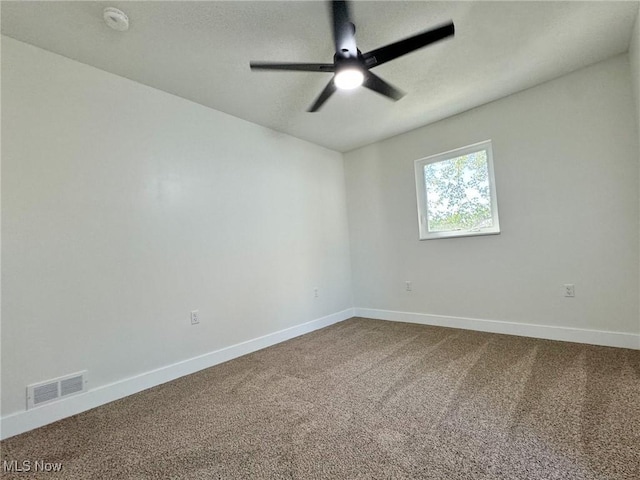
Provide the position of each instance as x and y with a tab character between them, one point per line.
569	290
408	286
195	317
315	292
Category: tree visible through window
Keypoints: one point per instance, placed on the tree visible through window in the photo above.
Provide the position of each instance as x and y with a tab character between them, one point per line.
456	195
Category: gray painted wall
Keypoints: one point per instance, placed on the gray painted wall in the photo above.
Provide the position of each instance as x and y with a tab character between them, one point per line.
566	167
124	208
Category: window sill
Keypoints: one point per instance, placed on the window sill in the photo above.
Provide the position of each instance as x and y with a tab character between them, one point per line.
459	233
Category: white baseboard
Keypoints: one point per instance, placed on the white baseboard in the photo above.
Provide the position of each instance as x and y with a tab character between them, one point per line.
24	421
549	332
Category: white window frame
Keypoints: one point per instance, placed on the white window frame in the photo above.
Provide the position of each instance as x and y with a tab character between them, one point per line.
421	193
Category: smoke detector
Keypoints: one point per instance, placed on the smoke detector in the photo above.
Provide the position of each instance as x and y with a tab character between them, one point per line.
116	19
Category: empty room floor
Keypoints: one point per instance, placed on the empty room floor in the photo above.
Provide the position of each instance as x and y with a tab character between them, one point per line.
368	399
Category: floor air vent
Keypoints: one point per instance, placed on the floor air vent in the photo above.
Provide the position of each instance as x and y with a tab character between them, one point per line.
55	389
71	385
45	393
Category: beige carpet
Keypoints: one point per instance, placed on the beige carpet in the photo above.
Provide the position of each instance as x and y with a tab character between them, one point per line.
368	399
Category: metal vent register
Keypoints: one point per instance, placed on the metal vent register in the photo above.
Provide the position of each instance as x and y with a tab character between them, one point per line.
56	389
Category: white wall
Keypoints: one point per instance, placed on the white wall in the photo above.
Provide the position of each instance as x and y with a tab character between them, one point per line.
634	58
124	207
566	167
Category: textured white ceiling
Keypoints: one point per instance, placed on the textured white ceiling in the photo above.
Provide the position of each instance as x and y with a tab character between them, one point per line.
201	51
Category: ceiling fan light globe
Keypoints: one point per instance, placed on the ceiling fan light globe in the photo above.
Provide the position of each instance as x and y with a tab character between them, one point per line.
349	78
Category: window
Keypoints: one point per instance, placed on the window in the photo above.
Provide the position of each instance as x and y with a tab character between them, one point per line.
456	193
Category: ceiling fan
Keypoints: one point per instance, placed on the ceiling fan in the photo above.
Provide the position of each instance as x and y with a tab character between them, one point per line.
351	67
